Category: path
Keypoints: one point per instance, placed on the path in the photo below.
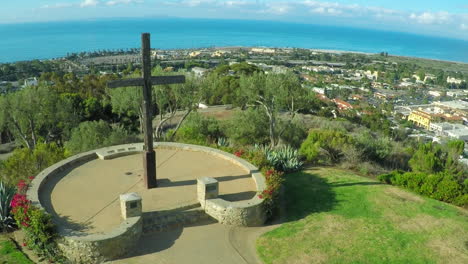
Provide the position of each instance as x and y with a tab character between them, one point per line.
207	243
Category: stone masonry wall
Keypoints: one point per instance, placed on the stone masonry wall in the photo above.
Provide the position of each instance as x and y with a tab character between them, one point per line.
121	240
99	248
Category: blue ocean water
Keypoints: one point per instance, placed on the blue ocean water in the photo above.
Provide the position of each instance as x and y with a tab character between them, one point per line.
56	39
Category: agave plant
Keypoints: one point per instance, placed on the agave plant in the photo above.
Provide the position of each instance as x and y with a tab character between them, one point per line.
6	195
223	142
284	158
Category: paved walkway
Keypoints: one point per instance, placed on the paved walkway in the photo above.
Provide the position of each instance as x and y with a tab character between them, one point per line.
206	243
86	199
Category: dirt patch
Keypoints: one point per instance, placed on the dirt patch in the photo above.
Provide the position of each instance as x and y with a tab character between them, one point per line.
312	257
402	195
450	252
420	223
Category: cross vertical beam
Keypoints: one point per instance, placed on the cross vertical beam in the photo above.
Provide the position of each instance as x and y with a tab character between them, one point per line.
149	157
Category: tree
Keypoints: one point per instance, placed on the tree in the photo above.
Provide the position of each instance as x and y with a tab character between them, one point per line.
325	145
96	134
275	93
247	127
427	159
180	98
26	163
37	114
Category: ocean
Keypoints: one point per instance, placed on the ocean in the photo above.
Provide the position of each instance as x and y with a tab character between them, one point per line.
29	41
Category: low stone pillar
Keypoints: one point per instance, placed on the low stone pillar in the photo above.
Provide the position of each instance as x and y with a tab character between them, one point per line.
130	205
207	188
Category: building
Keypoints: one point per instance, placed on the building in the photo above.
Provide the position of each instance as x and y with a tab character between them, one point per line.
319	90
219	53
457	93
454	80
31	82
435	93
342	105
194	54
262	50
420	118
199	72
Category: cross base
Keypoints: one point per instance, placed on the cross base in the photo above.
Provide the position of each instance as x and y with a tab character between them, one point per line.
149	163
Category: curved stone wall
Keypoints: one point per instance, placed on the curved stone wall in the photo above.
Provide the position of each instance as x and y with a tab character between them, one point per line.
243	213
96	248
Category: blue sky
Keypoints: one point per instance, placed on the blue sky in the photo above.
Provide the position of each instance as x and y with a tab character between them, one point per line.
432	17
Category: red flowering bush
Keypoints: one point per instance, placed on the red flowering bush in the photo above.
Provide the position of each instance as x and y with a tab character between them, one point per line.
239	153
36	224
273	179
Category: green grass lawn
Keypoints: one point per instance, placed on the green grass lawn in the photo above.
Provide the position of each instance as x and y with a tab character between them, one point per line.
10	254
335	216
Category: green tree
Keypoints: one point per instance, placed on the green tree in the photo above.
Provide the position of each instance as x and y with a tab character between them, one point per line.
247	127
37	114
324	145
96	134
26	163
274	93
428	159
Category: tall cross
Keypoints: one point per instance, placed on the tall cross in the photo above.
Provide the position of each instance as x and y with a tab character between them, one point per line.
149	156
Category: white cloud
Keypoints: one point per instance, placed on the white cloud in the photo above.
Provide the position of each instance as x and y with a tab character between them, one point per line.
464	26
237	3
431	18
123	2
88	3
57	5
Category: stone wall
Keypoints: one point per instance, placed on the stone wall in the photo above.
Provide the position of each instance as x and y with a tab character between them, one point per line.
99	248
121	240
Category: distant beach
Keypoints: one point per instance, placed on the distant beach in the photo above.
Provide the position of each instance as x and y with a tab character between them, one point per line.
29	41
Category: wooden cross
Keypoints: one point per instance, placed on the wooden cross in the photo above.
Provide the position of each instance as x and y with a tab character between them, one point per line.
149	156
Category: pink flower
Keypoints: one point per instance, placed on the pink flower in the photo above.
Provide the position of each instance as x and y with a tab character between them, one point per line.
260	196
31	177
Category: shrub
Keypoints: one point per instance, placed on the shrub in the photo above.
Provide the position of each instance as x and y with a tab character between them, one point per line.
37	225
274	179
440	186
6	195
324	146
430	184
257	158
293	134
415	181
447	190
247	127
200	130
96	134
428	159
25	163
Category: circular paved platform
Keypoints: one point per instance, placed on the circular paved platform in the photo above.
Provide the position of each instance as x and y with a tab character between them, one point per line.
86	198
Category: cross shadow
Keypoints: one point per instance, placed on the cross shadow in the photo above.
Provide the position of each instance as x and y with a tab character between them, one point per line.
305	193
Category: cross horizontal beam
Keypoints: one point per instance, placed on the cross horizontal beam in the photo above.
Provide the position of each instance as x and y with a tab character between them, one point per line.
155	80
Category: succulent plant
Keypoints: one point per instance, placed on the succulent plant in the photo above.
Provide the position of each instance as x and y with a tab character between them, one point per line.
284	158
6	195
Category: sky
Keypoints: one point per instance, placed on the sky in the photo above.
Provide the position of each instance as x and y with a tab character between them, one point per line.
444	18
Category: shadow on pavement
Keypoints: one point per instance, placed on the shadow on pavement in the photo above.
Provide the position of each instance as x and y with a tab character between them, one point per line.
156	242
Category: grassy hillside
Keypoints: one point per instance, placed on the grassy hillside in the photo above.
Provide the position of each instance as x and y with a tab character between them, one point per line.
335	216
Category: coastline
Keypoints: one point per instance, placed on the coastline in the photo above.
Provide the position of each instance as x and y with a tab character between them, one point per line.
329	51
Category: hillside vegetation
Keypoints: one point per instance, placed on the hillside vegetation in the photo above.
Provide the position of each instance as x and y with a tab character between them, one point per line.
335	216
